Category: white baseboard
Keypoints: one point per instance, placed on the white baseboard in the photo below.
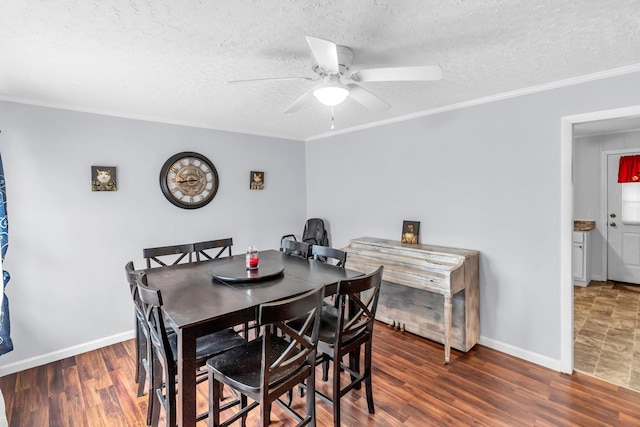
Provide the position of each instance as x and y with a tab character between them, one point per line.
529	356
93	345
64	353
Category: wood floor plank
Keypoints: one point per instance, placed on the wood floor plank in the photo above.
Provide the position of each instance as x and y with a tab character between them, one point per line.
77	411
133	412
411	385
59	415
72	383
96	417
111	407
39	417
55	381
90	393
92	366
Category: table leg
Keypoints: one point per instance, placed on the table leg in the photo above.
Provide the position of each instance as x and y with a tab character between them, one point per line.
448	311
186	399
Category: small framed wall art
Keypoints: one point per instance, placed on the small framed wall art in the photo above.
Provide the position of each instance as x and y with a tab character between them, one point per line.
256	180
410	232
103	178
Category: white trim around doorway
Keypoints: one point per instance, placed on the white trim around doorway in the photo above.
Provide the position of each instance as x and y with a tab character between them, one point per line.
566	223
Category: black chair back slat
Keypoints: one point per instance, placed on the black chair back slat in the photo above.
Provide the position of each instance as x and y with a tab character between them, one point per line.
294	248
326	254
182	251
222	245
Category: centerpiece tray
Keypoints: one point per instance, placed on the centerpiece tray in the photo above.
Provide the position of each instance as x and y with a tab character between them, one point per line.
235	271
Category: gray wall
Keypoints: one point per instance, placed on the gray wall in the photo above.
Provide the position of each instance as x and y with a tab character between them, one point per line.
485	177
68	245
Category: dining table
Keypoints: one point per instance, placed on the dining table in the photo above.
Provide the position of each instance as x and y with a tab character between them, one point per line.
208	296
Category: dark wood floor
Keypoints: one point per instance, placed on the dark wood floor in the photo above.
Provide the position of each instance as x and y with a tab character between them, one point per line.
411	387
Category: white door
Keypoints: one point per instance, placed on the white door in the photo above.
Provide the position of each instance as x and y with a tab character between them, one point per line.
623	228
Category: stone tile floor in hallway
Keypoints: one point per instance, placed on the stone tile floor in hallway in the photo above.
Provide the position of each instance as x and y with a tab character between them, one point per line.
607	332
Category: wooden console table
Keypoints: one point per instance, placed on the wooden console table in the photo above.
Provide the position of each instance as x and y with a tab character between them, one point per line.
431	290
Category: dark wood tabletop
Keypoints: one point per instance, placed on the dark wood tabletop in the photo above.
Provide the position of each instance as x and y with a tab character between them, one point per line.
195	304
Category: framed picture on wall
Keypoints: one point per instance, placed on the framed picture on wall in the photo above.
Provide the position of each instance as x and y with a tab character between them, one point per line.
256	180
410	232
103	178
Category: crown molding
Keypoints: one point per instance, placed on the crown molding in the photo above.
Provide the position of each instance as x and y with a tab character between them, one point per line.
485	100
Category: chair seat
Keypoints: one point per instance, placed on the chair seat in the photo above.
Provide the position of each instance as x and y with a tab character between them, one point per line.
209	345
241	365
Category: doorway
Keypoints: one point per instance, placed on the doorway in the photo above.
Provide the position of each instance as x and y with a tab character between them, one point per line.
605	312
566	218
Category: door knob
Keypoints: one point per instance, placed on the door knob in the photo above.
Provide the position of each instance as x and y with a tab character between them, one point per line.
612	215
613	224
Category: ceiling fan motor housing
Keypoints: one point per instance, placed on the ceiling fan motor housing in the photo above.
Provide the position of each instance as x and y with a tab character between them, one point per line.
345	58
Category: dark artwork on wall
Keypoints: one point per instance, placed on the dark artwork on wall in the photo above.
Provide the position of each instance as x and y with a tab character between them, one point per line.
103	178
256	180
410	231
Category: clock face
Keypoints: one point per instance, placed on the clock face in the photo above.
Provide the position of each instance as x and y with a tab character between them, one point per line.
189	180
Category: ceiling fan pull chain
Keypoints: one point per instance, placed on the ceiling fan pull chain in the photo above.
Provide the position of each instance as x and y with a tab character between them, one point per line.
332	127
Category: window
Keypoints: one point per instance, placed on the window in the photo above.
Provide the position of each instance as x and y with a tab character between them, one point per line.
631	203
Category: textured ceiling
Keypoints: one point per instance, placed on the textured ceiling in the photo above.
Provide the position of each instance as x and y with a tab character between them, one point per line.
169	61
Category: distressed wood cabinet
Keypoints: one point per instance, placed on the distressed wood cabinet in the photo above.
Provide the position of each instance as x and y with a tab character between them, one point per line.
431	290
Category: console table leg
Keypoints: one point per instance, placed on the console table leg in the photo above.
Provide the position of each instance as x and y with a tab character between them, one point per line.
448	311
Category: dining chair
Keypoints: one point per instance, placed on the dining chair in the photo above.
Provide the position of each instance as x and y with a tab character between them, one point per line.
222	245
274	363
326	253
294	248
141	337
163	353
176	254
345	327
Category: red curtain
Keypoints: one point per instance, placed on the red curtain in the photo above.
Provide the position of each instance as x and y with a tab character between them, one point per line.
629	170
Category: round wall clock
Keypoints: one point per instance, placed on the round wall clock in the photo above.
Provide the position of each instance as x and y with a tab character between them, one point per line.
189	180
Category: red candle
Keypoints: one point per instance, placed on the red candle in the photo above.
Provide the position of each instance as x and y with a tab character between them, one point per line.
252	259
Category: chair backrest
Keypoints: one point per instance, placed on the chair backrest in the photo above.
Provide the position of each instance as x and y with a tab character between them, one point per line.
132	278
315	233
151	301
176	254
354	324
221	245
326	253
294	248
302	340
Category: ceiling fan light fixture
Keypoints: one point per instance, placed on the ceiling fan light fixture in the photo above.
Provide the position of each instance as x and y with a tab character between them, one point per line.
331	93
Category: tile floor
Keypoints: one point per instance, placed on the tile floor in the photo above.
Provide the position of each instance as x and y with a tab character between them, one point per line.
607	332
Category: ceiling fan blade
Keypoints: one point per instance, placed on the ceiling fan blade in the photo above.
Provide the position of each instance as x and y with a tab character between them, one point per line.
366	98
398	74
299	102
269	78
325	54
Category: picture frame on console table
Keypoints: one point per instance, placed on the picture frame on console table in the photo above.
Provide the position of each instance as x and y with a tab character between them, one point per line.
410	232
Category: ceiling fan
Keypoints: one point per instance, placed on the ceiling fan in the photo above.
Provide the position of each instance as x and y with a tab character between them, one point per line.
332	67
